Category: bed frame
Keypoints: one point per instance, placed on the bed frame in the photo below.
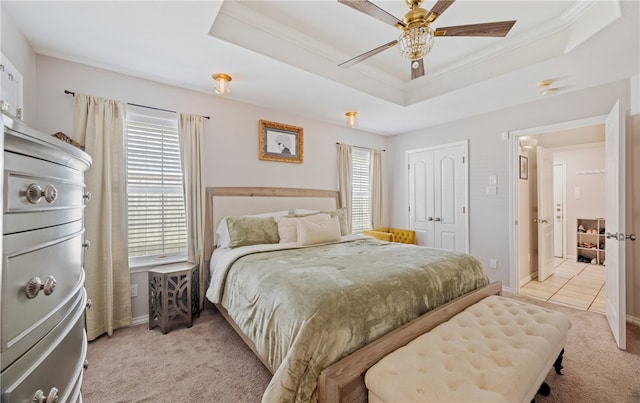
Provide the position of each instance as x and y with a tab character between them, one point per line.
344	380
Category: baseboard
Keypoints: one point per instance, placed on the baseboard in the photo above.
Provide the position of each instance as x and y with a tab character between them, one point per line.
633	319
529	278
140	320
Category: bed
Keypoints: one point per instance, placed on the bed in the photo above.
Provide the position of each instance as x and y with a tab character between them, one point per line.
319	314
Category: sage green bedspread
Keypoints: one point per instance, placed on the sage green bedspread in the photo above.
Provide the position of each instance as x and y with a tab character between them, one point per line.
306	308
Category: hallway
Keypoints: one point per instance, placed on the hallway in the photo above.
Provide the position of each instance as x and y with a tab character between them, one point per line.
574	284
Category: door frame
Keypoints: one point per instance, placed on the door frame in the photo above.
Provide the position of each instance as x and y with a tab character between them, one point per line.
465	145
514	166
563	164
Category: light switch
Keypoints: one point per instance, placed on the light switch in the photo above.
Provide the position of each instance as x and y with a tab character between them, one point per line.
493	180
577	192
492	190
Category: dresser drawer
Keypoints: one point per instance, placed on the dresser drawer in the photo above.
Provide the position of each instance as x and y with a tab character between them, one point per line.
54	362
53	252
39	193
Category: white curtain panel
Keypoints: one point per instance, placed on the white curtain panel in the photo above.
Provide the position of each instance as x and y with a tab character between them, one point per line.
99	124
345	178
191	134
375	179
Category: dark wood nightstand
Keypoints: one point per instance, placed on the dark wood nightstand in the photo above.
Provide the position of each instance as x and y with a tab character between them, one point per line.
173	295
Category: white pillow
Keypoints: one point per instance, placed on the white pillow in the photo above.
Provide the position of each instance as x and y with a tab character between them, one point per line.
310	233
301	211
288	226
224	240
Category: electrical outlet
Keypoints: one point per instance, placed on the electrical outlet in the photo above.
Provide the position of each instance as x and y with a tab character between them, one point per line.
493	263
134	290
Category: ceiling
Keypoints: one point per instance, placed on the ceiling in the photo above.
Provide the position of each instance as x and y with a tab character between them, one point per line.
285	54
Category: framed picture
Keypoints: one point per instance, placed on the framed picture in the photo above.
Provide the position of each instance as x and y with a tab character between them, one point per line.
280	142
524	167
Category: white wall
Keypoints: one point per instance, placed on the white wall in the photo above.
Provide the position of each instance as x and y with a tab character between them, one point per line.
231	134
489	155
590	203
16	48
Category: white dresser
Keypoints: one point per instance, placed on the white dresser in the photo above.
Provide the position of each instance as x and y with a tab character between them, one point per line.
43	343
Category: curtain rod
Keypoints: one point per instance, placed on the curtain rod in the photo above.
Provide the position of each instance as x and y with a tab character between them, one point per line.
366	148
141	106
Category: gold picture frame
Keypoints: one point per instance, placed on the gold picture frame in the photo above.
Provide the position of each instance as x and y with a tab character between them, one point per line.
280	142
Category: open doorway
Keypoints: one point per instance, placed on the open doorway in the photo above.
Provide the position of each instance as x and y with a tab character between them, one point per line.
577	275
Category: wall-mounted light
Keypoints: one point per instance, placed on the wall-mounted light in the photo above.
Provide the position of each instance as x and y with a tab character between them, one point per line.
527	143
351	118
222	83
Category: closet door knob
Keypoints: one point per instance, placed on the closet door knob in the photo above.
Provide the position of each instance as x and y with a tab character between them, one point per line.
430	219
87	196
631	237
612	236
86	244
437	219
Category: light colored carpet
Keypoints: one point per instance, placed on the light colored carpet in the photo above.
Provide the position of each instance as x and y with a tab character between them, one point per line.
209	362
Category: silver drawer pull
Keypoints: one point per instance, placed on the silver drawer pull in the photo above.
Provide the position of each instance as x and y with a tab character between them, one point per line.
34	193
86	244
35	285
87	196
85	365
89	303
50	193
39	396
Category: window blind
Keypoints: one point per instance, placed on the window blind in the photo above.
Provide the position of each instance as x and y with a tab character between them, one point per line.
361	190
155	198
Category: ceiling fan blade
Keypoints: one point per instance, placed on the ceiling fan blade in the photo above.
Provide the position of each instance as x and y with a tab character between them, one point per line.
438	9
417	68
501	28
367	7
368	54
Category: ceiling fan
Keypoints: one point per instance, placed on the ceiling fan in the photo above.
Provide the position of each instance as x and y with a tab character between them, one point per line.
416	39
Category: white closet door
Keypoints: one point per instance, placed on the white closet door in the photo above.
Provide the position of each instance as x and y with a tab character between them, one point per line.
438	196
450	200
421	190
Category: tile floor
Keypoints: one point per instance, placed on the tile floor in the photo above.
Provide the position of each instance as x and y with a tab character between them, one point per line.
574	284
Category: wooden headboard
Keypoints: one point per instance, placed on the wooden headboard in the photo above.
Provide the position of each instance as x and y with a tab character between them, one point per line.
229	201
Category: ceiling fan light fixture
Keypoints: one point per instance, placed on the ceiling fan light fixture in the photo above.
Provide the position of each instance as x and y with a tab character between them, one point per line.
415	43
222	83
351	119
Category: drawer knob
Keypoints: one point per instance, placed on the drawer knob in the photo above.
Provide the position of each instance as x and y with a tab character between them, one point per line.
50	193
39	396
33	193
85	365
86	244
87	196
35	285
89	303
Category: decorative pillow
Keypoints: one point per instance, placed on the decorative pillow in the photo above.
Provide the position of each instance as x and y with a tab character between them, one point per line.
288	226
222	231
310	233
341	213
245	231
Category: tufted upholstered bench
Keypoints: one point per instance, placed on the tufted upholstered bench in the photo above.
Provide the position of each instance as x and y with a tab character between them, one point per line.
497	350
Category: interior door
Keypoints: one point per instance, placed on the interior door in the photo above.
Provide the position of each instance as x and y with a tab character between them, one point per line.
615	224
545	212
437	196
449	200
421	190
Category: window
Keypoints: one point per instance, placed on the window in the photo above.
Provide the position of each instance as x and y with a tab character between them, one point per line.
155	198
361	190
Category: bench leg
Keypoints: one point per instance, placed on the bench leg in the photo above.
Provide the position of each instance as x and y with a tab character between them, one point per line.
558	364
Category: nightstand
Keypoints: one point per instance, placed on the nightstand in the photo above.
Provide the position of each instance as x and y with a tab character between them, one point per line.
173	295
